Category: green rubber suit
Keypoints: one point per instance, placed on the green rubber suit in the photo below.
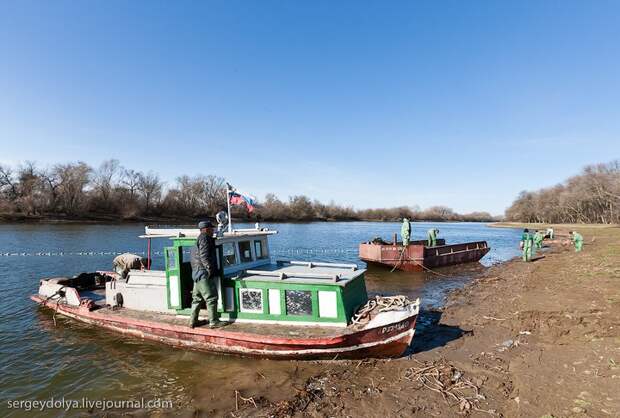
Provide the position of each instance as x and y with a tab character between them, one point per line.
205	291
528	246
405	232
432	237
577	241
205	274
538	239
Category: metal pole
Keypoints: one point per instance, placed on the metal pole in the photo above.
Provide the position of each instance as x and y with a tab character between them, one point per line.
148	254
228	203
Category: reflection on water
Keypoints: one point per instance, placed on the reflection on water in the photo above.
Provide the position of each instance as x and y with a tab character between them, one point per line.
40	360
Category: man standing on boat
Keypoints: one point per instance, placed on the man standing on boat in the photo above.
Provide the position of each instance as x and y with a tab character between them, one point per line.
405	231
205	274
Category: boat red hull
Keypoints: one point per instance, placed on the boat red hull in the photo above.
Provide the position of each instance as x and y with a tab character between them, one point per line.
386	341
417	256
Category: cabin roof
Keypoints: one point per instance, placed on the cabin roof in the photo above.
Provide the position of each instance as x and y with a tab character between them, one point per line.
304	273
150	232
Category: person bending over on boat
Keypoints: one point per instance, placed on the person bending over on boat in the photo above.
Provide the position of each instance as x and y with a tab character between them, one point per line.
432	237
205	274
125	262
405	231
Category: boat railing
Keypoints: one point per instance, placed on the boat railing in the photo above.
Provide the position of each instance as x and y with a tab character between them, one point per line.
312	264
282	275
457	248
151	232
293	275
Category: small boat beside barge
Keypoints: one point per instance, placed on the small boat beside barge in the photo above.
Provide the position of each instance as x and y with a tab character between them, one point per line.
282	310
417	256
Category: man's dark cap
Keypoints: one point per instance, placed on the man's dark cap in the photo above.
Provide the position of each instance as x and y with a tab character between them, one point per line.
205	224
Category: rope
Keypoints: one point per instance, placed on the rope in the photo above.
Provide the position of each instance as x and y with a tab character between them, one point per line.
383	303
43	302
400	260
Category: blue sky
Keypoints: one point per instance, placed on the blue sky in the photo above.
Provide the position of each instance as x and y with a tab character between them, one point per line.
371	104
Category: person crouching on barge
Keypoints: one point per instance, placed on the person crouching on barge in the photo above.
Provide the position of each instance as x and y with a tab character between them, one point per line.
205	274
431	239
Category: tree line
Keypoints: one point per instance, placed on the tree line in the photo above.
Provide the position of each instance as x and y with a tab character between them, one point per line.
76	190
593	196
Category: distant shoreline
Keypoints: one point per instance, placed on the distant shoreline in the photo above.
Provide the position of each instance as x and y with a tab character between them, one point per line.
545	225
103	219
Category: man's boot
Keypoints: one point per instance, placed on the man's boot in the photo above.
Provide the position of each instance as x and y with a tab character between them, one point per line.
193	319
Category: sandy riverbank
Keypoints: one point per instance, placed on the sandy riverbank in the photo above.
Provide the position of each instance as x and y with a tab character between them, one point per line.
524	340
567	227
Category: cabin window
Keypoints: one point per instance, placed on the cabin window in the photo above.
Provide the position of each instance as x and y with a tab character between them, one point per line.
274	302
245	251
251	300
258	249
328	304
298	302
229	304
230	258
186	254
172	258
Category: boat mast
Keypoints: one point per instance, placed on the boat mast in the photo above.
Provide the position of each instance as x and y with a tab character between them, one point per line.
228	192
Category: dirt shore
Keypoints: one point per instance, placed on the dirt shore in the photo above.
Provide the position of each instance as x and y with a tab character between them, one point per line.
539	339
560	227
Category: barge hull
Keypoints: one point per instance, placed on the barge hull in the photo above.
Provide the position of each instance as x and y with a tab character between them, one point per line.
417	257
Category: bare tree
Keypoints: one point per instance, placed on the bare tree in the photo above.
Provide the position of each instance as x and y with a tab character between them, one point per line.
198	195
30	198
150	188
104	179
51	183
131	180
8	184
301	208
73	178
590	197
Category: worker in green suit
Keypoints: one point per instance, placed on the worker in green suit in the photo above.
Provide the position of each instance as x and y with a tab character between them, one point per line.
205	274
538	239
527	244
405	231
432	237
577	240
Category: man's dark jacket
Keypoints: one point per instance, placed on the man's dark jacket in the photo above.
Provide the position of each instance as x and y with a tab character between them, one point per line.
203	257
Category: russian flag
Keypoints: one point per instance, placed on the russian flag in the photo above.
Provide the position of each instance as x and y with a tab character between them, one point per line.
236	198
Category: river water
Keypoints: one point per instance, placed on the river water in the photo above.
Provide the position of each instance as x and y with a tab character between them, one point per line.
42	358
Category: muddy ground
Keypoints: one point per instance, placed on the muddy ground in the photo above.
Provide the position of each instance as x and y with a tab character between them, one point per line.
539	339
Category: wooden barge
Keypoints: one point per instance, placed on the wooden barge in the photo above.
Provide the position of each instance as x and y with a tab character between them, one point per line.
282	310
417	256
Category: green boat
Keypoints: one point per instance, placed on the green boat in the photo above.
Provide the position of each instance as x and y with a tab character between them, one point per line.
275	309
